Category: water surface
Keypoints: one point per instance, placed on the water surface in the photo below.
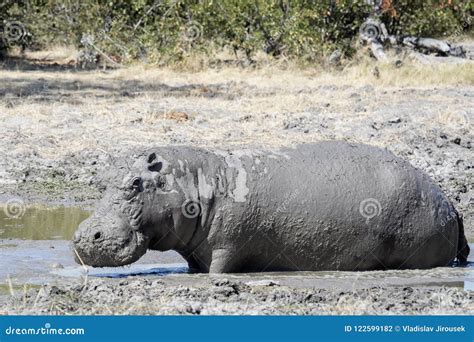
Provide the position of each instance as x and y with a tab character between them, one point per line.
40	222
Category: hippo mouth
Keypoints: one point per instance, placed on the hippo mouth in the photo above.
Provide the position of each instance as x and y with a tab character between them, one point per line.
103	252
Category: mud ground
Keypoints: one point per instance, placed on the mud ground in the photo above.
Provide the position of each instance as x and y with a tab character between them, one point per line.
62	127
223	296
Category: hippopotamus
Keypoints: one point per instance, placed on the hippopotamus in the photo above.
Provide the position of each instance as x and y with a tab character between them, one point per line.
312	207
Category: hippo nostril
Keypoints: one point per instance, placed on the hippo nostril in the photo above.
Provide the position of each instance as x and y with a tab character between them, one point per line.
97	235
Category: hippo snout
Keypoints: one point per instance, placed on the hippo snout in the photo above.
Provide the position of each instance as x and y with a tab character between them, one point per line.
103	242
78	236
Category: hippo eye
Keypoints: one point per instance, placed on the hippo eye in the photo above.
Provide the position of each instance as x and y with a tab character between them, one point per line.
136	183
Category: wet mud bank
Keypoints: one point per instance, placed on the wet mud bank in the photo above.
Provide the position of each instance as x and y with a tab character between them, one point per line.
224	296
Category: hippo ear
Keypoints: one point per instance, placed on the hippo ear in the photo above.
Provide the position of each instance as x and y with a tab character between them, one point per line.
156	166
153	164
151	157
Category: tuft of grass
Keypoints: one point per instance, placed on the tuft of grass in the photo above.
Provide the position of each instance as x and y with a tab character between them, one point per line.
410	73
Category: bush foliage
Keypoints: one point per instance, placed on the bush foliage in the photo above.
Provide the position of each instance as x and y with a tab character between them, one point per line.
164	30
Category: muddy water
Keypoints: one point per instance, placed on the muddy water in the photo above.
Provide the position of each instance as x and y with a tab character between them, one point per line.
40	222
35	249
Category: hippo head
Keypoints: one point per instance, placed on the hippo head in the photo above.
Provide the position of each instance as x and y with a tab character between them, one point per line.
141	211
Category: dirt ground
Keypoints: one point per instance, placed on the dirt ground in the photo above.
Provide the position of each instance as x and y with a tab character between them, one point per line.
223	296
61	127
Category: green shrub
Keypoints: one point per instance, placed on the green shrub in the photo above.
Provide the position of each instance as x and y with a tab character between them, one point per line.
157	30
429	18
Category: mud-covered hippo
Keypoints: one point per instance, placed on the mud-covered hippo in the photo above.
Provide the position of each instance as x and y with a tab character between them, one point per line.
321	206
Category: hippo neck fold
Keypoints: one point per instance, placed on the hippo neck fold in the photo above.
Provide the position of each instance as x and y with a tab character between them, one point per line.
200	184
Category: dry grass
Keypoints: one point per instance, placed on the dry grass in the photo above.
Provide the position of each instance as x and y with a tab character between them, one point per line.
411	73
58	54
65	112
